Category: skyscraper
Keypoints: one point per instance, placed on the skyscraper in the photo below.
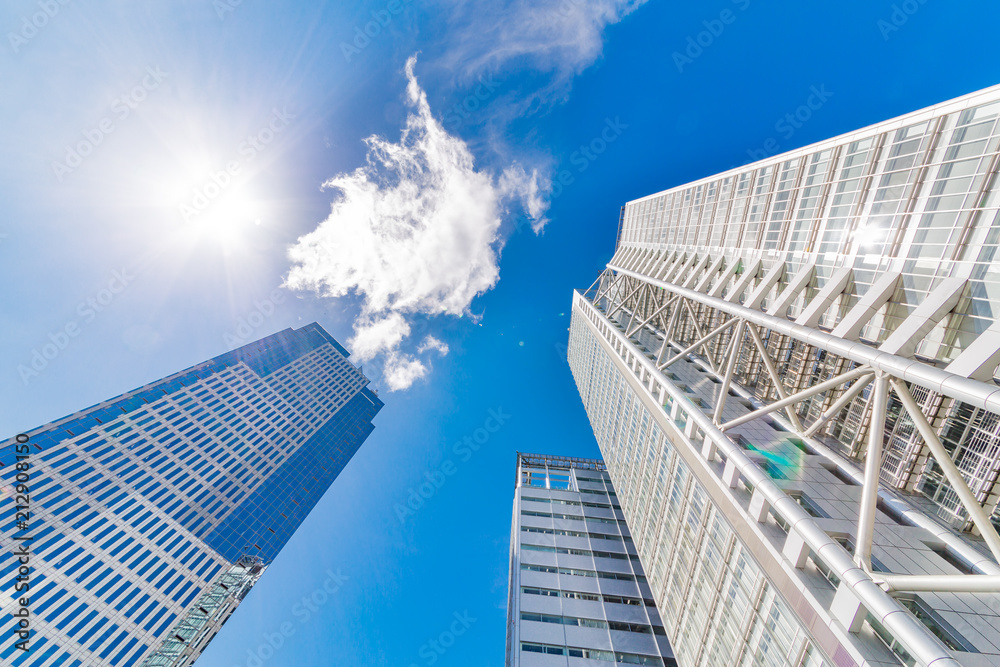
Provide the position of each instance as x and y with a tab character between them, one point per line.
790	370
152	514
577	589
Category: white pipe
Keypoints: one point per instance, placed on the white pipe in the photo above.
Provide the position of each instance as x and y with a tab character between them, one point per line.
941	583
773	374
650	318
715	332
973	557
730	368
976	559
873	466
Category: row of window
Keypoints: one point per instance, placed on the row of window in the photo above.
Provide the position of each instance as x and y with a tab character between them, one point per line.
578	552
618	576
113	537
575	503
619	626
597	492
574	517
597	654
591	597
575	533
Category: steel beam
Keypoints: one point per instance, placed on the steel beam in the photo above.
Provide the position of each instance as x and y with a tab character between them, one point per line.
730	368
910	632
650	318
700	333
701	341
621	303
940	583
873	465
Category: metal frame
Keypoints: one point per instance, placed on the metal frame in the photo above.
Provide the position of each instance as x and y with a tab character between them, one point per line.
188	637
660	297
667	310
861	584
978	394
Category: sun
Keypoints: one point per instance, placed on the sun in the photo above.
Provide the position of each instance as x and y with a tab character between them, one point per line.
206	200
221	214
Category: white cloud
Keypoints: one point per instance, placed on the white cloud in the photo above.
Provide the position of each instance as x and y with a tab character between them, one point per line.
432	343
562	36
531	191
402	370
372	337
547	42
416	231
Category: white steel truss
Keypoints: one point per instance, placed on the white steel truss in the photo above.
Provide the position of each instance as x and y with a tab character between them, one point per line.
737	336
667	304
871	591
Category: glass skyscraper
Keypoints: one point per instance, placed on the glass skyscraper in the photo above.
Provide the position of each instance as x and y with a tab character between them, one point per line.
577	589
791	369
152	514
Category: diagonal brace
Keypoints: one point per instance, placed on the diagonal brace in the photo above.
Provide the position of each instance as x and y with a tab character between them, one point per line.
848	396
798	396
951	471
773	373
704	339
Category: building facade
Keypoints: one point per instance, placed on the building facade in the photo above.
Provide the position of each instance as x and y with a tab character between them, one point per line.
152	514
790	369
578	594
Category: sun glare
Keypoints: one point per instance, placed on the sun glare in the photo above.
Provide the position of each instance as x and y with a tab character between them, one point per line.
225	218
214	204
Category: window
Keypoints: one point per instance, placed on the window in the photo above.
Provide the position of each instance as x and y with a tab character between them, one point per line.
594	654
772	470
809	505
890	641
824	570
953	559
936	624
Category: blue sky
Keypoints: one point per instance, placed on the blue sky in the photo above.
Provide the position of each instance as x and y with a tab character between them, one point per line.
111	258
